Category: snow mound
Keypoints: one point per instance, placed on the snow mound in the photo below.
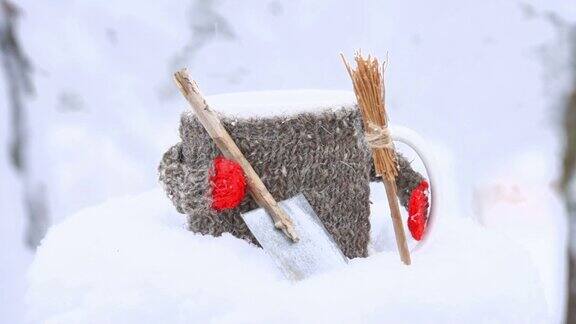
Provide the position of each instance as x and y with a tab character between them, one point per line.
132	260
279	102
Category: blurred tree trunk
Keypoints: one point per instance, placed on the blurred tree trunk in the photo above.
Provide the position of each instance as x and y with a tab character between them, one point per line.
569	163
17	73
568	184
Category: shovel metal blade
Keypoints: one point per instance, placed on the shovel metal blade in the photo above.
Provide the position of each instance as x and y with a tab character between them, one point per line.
314	253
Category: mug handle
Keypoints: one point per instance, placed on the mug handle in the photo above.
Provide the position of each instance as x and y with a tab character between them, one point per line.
418	144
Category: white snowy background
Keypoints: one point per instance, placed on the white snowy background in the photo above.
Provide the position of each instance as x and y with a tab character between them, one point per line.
481	80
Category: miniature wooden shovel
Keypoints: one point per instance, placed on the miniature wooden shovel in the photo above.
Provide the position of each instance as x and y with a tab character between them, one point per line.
369	89
225	143
313	250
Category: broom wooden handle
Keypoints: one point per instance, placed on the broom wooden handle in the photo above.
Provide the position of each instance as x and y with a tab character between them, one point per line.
209	119
401	241
390	186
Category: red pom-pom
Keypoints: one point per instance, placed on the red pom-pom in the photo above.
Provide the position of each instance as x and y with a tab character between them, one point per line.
418	210
228	184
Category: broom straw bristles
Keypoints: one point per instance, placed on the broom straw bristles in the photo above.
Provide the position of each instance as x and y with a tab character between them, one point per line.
369	89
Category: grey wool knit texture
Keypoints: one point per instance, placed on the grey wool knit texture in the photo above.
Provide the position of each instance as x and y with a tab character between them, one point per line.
321	154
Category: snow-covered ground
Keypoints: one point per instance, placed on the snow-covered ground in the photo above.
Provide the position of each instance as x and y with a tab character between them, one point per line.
470	75
132	260
520	202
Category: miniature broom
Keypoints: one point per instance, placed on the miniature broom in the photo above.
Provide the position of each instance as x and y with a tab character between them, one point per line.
369	89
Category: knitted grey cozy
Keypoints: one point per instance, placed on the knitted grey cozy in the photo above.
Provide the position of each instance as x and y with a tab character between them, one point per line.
323	155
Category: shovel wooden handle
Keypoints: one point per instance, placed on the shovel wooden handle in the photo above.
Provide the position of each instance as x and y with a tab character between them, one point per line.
209	119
